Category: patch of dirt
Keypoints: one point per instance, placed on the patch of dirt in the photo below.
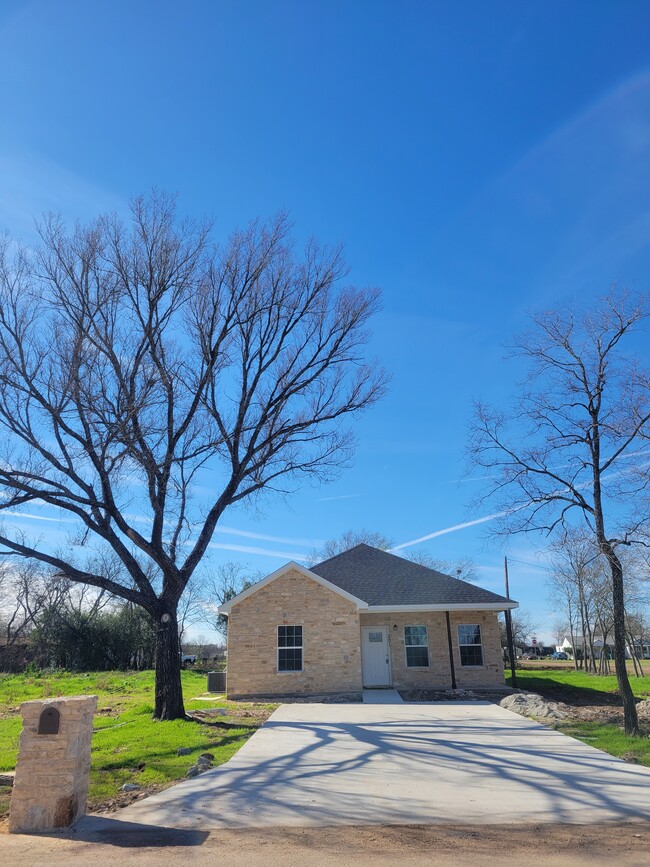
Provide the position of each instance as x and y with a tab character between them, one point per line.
452	694
329	698
237	718
623	844
125	799
551	704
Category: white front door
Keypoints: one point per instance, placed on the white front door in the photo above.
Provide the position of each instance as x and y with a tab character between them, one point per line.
375	656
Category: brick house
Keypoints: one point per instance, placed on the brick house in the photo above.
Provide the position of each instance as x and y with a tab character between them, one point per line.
362	619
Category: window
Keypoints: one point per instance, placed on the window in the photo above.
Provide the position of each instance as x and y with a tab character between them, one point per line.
417	648
289	648
469	642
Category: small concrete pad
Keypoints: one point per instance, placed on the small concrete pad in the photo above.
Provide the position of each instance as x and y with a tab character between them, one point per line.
353	764
382	696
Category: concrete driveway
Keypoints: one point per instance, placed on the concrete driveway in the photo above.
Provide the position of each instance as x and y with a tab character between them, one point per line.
349	764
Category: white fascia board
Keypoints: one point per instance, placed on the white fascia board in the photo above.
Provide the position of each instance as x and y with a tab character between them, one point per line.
452	606
288	567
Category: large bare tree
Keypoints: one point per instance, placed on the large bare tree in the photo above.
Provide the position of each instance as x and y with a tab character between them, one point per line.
568	447
137	359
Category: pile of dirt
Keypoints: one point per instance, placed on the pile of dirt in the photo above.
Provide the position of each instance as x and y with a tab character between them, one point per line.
532	705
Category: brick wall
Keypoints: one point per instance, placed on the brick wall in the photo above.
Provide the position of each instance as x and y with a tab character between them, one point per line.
331	654
438	673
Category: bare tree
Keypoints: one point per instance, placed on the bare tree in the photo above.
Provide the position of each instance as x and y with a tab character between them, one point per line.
568	446
464	568
572	590
190	607
220	585
29	594
26	593
136	359
349	539
523	627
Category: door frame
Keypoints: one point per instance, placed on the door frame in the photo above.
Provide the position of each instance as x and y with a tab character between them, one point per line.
386	630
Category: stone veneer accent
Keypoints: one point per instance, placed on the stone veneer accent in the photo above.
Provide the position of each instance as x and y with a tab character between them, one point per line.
331	654
438	673
53	771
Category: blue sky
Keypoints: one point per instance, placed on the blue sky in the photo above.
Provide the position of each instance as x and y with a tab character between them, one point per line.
478	160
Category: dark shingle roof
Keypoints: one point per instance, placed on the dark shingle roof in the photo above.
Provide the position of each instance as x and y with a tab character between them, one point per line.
380	578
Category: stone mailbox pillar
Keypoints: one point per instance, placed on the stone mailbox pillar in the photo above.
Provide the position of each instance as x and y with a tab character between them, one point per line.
53	770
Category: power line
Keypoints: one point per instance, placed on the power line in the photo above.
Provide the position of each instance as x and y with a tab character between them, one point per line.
526	563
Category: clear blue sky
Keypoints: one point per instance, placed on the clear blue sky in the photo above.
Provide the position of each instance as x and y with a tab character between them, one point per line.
478	160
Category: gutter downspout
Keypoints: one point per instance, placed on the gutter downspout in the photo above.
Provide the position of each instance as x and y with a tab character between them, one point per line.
451	652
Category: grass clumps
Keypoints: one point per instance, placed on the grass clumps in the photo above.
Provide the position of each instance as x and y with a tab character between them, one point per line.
128	746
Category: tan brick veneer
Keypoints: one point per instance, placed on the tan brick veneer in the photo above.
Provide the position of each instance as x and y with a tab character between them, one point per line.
53	770
331	655
438	674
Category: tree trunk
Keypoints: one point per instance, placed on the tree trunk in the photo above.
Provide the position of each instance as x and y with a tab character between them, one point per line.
618	610
169	692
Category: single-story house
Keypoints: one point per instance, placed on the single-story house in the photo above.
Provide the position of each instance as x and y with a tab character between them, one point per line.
362	619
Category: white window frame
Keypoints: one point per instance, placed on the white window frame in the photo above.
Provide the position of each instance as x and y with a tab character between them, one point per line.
426	633
279	647
473	644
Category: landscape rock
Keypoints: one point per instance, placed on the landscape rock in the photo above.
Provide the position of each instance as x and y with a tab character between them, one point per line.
631	758
195	770
206	757
183	751
6	779
532	705
643	710
130	787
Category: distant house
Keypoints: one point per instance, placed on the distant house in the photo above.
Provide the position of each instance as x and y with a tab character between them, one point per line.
641	648
365	618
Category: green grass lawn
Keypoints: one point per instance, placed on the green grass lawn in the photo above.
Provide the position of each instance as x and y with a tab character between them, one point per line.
558	680
610	739
578	688
125	734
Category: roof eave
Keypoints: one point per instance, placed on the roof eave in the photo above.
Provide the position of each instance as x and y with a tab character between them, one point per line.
448	606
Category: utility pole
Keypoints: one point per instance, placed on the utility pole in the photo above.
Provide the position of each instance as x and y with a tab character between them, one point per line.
511	644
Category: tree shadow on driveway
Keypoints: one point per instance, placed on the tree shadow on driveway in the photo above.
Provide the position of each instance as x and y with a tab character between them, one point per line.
404	764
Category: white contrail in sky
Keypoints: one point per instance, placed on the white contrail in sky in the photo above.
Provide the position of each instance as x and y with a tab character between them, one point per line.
33	517
453	529
614	474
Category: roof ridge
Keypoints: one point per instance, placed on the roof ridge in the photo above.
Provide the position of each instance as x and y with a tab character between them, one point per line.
363	571
347	551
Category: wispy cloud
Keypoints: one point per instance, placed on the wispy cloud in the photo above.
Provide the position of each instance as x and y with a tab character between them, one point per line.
468	479
264	552
33	185
341	497
245	534
263	537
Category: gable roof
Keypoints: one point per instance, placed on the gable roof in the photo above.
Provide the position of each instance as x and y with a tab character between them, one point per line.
225	607
375	580
386	581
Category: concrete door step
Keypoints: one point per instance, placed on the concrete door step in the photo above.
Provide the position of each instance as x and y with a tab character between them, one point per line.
382	696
